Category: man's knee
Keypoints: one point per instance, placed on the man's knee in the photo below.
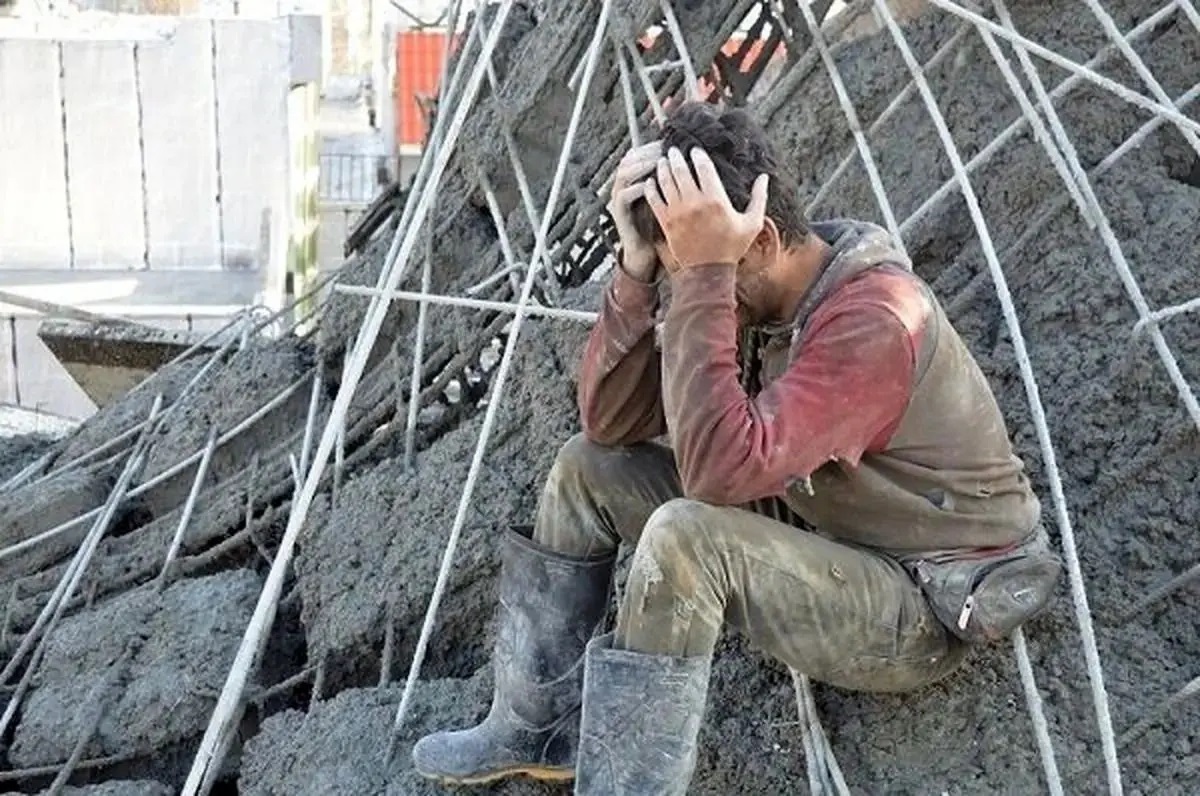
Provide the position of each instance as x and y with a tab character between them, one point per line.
578	455
675	542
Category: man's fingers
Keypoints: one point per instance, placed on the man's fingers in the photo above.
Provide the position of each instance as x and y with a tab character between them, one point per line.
666	181
706	172
630	193
652	150
683	176
654	199
635	170
756	211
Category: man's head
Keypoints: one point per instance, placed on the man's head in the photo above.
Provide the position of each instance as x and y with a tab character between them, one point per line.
740	150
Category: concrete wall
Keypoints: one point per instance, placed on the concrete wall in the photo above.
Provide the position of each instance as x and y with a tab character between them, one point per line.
134	146
146	169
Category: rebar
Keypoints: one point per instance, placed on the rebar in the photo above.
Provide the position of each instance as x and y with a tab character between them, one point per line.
314	405
186	517
1033	703
500	379
53	610
864	151
418	359
692	90
1104	229
1156	317
949	47
1037	410
1021	43
631	115
1139	66
581	316
1040	133
207	759
1007	134
165	475
1165	590
1191	689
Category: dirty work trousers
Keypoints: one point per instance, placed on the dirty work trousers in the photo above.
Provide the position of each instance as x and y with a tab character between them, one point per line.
842	615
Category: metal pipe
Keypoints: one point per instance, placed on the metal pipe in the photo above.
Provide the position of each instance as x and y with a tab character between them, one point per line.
1022	43
186	516
839	88
1037	410
224	717
167	474
482	304
501	377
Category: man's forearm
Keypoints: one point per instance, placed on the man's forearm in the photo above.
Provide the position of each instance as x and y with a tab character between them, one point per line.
620	400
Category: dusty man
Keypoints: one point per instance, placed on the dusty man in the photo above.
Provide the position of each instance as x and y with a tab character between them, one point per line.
808	453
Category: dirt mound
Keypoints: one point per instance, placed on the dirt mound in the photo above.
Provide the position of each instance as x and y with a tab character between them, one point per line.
1128	454
170	652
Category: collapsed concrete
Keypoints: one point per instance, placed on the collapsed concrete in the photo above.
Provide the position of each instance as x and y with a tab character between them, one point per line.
367	559
149	663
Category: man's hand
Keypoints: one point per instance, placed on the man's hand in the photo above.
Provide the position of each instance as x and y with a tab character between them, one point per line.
638	255
699	222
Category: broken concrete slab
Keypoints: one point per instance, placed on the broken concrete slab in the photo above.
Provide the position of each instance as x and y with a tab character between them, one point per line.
390	527
133	409
33	509
185	640
230	394
108	360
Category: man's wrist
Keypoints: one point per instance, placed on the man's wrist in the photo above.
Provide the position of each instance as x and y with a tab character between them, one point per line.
637	272
631	294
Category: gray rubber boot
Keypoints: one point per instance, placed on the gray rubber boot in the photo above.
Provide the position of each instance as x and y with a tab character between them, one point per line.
641	717
550	606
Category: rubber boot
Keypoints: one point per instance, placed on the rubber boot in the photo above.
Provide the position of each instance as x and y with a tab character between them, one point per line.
550	606
641	718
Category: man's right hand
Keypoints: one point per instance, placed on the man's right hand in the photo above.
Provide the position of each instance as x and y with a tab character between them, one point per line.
638	256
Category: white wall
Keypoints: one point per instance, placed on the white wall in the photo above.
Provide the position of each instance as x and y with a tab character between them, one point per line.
129	145
145	166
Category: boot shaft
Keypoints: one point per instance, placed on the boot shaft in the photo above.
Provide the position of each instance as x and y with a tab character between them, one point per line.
640	722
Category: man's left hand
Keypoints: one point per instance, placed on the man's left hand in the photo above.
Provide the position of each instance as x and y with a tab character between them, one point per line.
698	220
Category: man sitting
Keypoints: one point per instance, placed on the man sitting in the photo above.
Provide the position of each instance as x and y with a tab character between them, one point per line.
807	379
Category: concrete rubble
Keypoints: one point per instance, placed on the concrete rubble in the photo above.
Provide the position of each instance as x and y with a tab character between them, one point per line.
366	562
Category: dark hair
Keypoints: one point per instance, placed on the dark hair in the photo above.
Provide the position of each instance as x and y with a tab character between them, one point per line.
739	148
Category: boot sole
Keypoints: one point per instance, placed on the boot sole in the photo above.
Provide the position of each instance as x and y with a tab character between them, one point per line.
539	773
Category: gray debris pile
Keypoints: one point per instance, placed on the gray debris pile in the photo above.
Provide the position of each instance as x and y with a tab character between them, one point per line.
1128	456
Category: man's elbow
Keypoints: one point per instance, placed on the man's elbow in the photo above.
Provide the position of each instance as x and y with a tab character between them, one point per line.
600	431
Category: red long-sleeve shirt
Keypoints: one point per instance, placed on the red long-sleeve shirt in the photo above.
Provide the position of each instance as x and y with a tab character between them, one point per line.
843	394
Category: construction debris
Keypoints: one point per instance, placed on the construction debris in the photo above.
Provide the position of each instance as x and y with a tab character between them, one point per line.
320	708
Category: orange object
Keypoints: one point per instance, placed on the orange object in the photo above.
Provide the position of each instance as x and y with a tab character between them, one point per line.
419	57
